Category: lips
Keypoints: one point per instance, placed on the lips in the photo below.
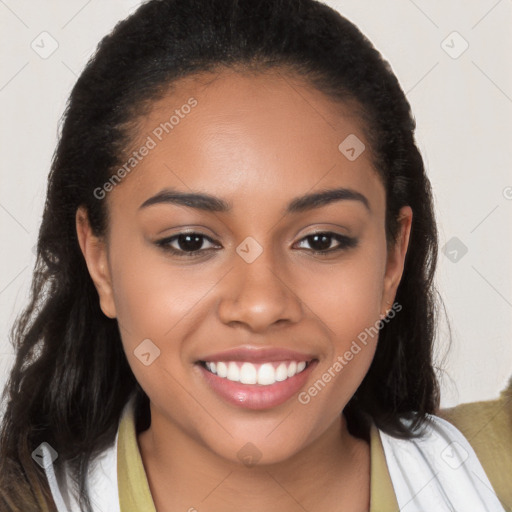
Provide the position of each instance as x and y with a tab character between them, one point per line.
257	355
256	378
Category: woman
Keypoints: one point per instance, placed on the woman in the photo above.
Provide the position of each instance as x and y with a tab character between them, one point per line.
233	306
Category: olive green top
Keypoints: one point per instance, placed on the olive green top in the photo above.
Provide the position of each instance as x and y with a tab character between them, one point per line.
135	495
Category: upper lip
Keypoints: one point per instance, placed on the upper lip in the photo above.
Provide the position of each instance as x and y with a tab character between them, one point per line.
258	355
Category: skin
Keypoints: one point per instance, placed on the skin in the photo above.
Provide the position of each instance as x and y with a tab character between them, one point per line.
257	142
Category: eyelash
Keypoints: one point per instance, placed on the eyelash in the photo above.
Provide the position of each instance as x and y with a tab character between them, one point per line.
345	242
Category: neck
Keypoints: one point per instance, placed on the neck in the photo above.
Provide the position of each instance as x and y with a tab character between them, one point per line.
184	474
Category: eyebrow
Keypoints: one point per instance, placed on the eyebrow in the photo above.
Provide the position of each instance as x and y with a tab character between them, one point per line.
211	203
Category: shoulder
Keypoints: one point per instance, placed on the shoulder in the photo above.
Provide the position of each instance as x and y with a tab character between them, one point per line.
438	467
487	425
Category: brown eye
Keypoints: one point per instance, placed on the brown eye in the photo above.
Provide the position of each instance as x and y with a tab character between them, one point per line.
321	243
185	244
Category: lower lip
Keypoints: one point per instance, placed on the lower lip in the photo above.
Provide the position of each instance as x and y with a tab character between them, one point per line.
254	396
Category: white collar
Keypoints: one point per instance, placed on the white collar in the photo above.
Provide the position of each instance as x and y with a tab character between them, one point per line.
102	482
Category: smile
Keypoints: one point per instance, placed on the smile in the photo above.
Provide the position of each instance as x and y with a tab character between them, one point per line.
264	374
256	386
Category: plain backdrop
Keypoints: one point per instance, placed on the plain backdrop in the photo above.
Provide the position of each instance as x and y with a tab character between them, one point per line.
452	59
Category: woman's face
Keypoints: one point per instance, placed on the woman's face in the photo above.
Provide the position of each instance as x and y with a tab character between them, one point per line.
262	147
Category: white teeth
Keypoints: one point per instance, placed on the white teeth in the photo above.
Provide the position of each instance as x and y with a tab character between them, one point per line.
233	372
263	374
248	374
281	372
292	369
266	374
222	369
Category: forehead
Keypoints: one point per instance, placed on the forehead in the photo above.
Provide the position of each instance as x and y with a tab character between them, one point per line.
250	138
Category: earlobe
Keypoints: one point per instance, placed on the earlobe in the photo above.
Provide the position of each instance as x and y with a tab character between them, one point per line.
396	257
94	251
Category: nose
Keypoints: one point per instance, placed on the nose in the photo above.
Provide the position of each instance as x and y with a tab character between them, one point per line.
258	295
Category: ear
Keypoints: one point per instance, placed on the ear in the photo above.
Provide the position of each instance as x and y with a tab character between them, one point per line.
396	259
94	250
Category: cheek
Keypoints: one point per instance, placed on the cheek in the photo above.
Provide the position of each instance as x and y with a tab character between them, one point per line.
159	301
348	301
355	304
347	296
152	293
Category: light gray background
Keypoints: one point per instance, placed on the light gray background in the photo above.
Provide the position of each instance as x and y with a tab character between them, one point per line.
462	104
